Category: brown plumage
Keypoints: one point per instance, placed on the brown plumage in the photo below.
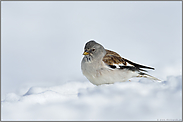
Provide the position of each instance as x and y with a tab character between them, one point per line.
112	58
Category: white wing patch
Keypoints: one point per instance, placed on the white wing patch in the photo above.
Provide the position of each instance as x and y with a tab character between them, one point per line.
118	65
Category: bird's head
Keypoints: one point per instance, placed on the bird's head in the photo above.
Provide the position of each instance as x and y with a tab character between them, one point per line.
94	50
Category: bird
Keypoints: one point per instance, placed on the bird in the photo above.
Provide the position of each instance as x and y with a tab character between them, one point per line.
103	66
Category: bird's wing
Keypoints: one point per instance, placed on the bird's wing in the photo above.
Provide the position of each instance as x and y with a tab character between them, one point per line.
114	60
137	65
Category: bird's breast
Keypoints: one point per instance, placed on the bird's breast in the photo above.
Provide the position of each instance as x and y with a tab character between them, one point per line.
92	68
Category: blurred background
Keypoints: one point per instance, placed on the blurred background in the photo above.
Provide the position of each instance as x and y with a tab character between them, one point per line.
42	41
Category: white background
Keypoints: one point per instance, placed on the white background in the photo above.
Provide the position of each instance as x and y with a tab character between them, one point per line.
42	42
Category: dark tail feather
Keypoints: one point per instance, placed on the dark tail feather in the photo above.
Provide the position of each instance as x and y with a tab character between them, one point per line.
141	74
138	65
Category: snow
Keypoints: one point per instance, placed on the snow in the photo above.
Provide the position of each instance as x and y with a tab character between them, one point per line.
41	51
75	100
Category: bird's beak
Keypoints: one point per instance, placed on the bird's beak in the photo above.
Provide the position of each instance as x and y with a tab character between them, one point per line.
85	53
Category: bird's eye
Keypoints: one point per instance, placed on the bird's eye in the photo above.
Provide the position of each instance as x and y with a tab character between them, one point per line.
93	49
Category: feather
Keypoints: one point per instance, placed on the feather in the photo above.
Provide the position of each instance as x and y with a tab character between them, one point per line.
114	60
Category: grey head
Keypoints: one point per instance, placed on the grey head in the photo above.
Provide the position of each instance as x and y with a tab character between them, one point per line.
94	51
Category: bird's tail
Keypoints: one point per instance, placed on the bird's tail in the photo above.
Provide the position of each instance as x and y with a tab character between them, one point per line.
141	74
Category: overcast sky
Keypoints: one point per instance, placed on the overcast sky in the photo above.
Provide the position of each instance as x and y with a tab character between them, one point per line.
42	42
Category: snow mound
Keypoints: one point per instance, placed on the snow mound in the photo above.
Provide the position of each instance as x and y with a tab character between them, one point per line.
76	100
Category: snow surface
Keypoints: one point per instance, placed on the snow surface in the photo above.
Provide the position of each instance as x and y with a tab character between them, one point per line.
75	100
38	82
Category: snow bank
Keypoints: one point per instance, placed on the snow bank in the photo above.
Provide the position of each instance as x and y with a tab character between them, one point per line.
80	100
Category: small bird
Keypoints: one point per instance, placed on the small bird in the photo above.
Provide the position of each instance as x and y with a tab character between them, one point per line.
102	66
